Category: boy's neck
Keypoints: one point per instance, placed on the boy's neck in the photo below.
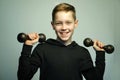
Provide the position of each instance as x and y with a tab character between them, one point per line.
65	42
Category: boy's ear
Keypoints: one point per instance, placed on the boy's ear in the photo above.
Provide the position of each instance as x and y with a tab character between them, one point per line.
52	23
76	23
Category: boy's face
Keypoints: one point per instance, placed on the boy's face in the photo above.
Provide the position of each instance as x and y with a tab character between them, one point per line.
64	25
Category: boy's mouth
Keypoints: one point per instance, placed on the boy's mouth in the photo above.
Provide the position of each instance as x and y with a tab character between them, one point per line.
64	33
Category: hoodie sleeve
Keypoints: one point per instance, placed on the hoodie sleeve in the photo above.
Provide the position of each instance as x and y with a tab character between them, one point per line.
26	69
97	72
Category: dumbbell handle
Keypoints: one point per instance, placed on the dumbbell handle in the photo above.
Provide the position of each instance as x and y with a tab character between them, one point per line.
22	37
108	48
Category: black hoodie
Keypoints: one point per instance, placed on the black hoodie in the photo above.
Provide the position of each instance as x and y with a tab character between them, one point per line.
60	62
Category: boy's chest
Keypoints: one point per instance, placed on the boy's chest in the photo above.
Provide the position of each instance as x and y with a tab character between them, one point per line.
62	57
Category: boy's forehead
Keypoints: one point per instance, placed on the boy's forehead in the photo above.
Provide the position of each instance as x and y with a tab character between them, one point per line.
64	13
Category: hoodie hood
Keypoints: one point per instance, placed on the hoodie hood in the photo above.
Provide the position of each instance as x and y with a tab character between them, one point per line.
58	43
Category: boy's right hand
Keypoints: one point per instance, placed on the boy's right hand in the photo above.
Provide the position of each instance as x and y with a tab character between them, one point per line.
34	38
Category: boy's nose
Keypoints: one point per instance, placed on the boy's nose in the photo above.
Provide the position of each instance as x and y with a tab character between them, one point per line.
64	27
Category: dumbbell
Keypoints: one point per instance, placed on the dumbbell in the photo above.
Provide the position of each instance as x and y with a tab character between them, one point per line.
22	37
108	48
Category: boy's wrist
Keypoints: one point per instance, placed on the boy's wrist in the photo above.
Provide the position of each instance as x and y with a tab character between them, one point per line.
100	55
26	50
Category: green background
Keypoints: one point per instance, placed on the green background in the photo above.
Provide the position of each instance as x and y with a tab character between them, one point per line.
98	19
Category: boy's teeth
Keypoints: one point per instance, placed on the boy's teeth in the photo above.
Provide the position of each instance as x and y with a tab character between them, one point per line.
64	32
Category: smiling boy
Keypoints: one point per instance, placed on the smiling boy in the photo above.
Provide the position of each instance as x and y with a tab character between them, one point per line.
61	58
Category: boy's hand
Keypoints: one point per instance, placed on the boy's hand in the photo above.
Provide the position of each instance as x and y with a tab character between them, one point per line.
98	46
34	38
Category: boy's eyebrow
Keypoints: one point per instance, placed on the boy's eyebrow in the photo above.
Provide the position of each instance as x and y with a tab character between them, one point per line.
65	21
57	21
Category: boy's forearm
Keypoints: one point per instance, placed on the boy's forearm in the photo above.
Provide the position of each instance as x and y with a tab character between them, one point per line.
100	63
97	72
24	63
26	50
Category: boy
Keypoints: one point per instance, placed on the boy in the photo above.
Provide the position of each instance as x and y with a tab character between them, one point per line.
61	59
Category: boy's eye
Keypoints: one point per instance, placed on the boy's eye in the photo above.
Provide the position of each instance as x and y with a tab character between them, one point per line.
58	23
68	23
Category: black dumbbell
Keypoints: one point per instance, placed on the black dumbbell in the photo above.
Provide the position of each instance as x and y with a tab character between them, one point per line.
22	37
108	48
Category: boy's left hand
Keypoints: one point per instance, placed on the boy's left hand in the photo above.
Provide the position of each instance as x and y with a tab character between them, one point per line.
98	46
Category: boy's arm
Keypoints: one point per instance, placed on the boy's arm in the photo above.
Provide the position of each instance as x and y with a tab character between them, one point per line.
97	72
25	69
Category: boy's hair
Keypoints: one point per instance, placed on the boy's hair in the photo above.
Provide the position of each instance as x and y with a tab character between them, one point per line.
63	7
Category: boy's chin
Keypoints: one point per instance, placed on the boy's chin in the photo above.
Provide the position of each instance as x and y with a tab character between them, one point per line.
64	39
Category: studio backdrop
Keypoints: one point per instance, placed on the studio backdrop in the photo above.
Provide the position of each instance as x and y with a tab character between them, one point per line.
98	19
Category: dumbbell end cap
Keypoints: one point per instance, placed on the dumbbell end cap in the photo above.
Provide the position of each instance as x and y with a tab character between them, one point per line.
42	37
88	42
21	37
109	49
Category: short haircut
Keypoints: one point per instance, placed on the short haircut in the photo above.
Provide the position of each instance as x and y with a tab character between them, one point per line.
63	7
